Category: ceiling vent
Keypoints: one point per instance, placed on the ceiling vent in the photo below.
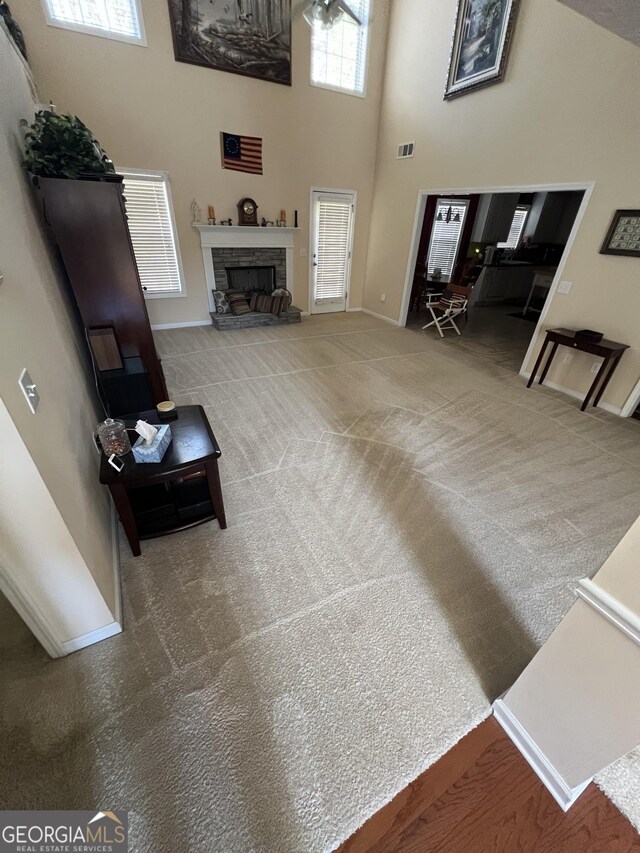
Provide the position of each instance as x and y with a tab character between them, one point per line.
406	149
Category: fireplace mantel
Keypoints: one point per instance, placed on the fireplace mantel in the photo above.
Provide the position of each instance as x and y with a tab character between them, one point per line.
243	237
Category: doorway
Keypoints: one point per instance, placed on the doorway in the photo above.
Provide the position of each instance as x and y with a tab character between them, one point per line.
332	223
509	250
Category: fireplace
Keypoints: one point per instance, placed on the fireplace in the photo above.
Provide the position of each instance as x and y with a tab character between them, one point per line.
252	260
255	279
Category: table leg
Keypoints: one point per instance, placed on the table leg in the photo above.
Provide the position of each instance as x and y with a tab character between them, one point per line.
607	378
543	375
538	362
526	307
595	382
123	506
215	490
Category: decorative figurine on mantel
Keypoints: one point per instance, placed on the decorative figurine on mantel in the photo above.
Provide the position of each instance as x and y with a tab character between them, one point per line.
196	213
282	222
212	215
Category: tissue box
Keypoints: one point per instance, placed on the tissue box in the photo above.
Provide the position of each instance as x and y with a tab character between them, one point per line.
143	452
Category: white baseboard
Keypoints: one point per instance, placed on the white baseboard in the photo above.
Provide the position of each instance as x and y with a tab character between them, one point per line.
540	764
115	555
577	395
380	316
92	637
187	325
608	606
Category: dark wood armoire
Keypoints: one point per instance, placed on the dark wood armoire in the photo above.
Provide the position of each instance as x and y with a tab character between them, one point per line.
89	222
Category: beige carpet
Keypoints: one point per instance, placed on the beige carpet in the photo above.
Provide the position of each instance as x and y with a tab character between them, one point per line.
406	526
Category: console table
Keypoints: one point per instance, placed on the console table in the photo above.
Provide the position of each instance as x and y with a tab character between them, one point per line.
158	498
610	351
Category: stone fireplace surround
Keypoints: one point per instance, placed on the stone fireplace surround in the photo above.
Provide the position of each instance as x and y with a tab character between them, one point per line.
257	257
248	246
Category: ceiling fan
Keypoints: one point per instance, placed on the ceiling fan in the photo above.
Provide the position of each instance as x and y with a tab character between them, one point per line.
326	13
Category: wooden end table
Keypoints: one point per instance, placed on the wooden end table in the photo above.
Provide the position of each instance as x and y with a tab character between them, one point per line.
610	351
158	498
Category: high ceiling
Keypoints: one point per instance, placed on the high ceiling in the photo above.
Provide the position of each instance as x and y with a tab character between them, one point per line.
620	16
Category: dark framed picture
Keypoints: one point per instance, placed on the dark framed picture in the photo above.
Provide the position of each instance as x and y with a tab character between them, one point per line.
250	37
481	40
623	237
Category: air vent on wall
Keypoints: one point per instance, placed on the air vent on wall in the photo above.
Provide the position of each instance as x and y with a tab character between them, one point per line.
406	149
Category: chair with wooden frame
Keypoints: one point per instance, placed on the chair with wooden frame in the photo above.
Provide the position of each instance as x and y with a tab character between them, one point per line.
446	306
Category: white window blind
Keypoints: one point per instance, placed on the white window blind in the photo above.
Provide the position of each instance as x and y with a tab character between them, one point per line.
152	232
120	19
445	236
516	229
339	54
334	227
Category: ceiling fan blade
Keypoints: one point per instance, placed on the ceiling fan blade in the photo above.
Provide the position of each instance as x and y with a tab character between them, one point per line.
349	12
326	13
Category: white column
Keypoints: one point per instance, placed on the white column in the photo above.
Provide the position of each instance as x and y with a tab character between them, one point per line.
42	572
576	708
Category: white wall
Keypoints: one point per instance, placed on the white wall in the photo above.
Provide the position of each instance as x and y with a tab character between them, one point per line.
563	114
40	564
149	111
38	331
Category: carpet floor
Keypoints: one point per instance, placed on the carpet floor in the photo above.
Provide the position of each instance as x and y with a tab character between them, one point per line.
407	523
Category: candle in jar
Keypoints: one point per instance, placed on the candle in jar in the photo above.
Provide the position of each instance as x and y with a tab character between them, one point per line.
283	215
212	212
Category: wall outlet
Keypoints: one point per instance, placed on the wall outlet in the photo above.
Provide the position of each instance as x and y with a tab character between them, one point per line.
595	367
565	286
567	357
29	389
383	297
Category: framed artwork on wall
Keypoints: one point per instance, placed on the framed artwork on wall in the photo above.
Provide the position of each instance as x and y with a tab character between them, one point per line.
250	37
623	237
481	39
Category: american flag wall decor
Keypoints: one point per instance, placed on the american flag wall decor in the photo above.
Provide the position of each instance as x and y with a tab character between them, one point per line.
241	153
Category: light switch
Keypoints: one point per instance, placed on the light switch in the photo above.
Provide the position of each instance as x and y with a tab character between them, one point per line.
29	390
564	286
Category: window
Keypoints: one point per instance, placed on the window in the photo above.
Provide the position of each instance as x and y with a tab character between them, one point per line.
445	235
517	227
114	19
339	55
153	232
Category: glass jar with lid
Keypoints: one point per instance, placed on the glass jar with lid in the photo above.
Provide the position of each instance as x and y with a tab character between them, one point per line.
113	436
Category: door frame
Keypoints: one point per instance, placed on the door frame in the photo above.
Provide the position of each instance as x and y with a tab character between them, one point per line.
632	402
331	190
584	186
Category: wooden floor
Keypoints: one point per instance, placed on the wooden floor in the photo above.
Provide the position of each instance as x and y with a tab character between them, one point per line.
481	797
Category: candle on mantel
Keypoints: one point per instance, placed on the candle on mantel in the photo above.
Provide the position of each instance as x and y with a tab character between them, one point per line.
212	212
283	215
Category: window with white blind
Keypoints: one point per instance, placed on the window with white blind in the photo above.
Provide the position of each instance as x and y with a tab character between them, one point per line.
114	19
339	54
333	249
516	229
446	235
153	232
